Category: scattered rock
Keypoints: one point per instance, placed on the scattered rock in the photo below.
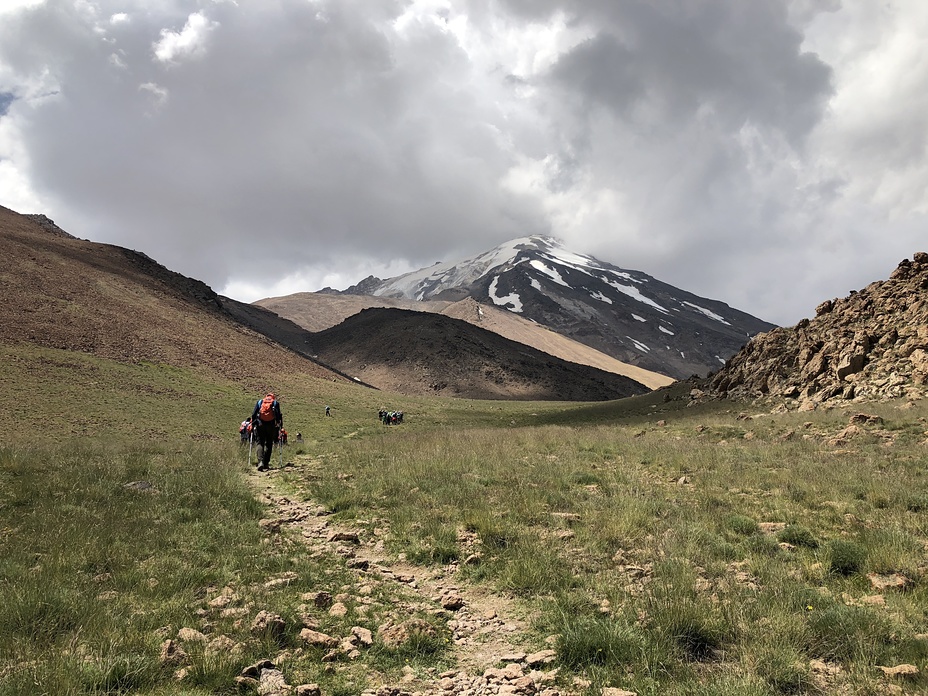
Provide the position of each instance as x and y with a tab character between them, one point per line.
319	599
350	537
271	682
894	581
542	657
190	635
393	636
268	625
452	601
172	653
364	636
905	670
317	638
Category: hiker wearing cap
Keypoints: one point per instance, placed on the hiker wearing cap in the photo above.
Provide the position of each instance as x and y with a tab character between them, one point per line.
268	421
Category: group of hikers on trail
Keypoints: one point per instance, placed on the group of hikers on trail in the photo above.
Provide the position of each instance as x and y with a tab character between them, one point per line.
390	417
265	427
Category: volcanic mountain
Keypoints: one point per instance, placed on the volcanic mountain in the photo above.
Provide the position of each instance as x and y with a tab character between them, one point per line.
625	314
872	344
67	293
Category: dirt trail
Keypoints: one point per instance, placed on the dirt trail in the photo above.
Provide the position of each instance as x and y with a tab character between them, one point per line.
490	643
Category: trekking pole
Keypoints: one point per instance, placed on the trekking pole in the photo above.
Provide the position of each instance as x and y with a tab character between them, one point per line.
251	439
280	451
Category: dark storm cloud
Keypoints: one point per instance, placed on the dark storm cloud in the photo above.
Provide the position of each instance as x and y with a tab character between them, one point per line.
741	60
6	98
288	135
724	146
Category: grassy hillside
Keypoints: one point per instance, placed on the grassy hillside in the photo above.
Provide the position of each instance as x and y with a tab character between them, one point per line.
656	548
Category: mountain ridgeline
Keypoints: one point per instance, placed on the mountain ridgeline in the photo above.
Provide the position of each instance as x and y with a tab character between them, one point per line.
71	294
625	314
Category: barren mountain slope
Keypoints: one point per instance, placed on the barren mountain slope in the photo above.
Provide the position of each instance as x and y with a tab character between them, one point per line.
872	344
419	353
320	311
68	293
515	328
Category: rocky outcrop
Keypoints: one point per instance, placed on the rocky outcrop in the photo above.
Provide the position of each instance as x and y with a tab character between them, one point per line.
870	345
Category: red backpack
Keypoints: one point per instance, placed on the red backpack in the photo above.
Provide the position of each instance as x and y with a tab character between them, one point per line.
266	410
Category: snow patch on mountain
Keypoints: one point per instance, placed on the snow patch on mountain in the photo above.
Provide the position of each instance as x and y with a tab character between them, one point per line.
599	296
635	294
639	345
708	313
666	331
550	272
505	300
430	281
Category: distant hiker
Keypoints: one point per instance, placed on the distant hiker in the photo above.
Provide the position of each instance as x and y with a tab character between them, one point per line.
282	438
267	421
299	437
327	411
244	430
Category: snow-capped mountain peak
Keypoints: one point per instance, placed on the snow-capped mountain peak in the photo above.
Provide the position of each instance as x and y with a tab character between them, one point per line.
428	282
624	313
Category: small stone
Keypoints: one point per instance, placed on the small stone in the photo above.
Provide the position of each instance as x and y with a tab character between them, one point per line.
513	657
893	581
253	671
271	682
318	638
190	635
905	670
338	609
452	601
543	657
350	537
268	624
319	599
364	636
172	653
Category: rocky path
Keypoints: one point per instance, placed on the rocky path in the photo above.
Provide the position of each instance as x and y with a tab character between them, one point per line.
490	643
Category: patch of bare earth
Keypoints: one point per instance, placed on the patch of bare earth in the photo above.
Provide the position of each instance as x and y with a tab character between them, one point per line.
490	642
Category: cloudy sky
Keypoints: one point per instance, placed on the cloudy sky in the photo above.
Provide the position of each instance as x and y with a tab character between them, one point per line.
770	154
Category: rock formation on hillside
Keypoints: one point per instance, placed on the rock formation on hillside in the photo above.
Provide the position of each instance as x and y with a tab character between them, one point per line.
870	345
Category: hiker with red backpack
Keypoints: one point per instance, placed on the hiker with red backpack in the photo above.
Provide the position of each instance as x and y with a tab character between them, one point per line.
268	420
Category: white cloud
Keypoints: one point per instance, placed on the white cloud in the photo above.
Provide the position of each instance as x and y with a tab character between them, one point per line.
159	94
768	154
190	41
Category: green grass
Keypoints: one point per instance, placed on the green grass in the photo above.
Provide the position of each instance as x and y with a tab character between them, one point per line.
643	549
